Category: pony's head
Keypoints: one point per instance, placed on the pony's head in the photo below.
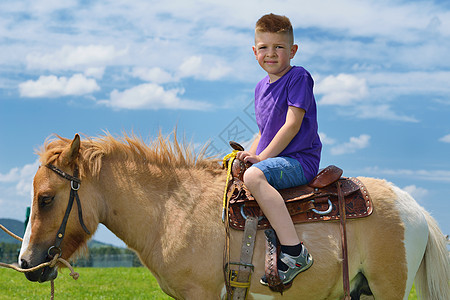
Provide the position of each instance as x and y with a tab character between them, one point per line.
104	165
56	226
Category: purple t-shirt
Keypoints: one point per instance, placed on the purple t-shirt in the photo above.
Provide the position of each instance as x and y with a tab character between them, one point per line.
295	88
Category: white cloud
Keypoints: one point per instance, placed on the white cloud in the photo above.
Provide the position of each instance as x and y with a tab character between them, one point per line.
445	138
429	175
156	75
367	95
401	21
381	112
343	89
218	35
15	189
353	145
326	140
52	86
97	73
150	35
71	57
197	67
386	84
20	177
417	193
152	96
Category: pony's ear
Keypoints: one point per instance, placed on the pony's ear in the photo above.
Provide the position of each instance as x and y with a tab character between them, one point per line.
69	155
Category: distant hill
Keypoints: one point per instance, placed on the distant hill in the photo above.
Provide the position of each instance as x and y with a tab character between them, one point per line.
97	244
18	228
15	227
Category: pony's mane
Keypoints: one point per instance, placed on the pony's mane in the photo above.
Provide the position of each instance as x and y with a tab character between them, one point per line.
164	152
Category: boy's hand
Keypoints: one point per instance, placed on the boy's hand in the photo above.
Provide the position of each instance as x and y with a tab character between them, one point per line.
248	157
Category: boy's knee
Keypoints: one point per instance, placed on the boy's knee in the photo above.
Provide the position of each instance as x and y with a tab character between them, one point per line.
253	176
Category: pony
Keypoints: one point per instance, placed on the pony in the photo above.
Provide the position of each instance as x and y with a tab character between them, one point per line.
165	201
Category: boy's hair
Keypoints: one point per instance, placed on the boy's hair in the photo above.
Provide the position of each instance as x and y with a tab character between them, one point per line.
275	24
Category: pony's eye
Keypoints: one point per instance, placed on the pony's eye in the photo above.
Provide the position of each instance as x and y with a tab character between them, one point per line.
45	200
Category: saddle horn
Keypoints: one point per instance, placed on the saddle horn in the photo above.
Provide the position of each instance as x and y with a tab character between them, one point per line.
236	146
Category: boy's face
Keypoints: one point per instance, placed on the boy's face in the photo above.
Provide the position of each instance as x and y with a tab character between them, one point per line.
274	52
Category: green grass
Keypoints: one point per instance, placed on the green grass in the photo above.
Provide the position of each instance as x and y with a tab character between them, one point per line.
94	283
412	294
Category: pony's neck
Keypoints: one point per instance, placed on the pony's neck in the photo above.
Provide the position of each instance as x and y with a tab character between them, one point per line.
154	211
131	201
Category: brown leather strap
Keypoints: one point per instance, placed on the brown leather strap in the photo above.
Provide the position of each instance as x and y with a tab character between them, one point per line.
271	263
245	266
74	186
301	207
345	276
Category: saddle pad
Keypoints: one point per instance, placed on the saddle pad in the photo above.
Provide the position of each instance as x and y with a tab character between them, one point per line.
357	204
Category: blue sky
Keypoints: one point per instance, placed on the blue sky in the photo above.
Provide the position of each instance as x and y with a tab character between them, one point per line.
381	71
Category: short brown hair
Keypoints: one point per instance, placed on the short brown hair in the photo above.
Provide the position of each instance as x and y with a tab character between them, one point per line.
275	24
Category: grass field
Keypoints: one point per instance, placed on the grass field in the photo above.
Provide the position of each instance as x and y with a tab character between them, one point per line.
94	283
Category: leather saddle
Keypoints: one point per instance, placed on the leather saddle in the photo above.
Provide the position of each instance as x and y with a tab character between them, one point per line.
325	198
316	201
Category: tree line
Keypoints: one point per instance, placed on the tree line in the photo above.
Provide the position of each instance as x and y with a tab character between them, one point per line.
9	253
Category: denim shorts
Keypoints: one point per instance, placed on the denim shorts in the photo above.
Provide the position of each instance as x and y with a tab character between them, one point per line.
282	172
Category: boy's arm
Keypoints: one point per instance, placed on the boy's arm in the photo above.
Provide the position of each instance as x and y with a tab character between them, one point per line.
284	136
255	144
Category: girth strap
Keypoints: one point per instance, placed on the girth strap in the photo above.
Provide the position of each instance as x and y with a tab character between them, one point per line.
345	275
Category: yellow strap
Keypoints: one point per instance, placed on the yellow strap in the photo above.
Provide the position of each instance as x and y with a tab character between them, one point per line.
231	158
228	156
244	285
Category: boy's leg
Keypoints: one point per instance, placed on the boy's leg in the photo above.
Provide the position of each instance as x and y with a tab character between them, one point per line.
273	206
294	257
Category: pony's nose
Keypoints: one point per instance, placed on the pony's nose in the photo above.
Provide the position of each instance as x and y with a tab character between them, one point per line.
24	264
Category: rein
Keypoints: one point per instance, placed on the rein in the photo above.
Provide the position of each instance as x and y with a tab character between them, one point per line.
75	183
50	264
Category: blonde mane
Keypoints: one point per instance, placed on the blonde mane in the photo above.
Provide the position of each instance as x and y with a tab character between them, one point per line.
164	152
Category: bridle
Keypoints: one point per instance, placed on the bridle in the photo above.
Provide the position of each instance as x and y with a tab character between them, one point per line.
75	183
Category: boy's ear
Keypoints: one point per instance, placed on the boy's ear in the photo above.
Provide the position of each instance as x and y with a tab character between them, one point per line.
294	49
254	51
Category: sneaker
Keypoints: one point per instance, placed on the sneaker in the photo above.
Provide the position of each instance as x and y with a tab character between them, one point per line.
296	264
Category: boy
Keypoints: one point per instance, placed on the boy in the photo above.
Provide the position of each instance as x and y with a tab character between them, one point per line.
286	151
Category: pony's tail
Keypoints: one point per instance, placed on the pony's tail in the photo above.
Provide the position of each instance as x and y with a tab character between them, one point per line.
432	278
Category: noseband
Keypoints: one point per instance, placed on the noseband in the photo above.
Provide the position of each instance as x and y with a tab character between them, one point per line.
75	183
